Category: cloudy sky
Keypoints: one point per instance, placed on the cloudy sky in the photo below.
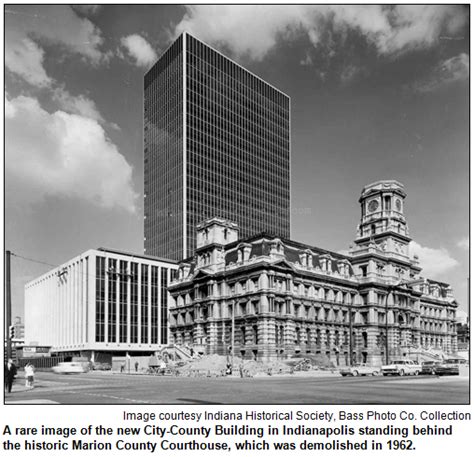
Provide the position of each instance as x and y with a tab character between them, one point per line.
377	92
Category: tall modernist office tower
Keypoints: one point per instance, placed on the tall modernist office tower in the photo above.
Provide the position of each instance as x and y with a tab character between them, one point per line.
217	143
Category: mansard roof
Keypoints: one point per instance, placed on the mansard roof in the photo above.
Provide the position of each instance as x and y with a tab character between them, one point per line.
261	245
296	246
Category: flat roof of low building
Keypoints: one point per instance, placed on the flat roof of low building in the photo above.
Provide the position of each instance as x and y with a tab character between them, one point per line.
141	256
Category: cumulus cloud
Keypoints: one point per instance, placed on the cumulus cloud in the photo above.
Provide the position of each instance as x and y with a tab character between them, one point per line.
463	244
434	262
25	58
28	28
77	104
390	29
87	10
139	49
63	155
449	71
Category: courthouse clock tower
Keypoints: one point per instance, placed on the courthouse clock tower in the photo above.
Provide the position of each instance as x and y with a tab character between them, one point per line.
382	219
382	238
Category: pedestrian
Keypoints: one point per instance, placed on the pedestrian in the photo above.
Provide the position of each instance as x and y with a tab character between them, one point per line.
26	369
163	367
30	375
122	368
9	374
136	366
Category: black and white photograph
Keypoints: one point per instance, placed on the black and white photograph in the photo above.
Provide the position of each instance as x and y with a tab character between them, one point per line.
230	204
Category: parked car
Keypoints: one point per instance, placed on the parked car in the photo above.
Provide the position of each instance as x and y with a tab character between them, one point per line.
361	369
458	360
447	367
401	368
69	368
429	367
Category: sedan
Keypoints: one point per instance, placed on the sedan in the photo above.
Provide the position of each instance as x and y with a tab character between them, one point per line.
360	370
429	367
447	367
69	368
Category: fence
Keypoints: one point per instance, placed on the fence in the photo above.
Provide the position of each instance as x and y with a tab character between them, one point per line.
40	363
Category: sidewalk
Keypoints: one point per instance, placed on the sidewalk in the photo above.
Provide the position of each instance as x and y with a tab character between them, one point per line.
19	385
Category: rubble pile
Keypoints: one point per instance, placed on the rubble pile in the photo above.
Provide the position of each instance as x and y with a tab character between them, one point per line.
215	365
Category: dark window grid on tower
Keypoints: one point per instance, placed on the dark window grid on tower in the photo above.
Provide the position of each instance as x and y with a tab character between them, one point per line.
221	133
122	316
248	100
100	300
144	304
274	189
112	300
166	161
245	108
154	304
201	54
133	302
212	133
164	305
237	110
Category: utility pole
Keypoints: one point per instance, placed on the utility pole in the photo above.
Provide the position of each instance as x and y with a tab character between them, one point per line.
233	336
351	358
386	327
8	303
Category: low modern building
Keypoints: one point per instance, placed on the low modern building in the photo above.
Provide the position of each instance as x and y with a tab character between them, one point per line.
264	297
103	301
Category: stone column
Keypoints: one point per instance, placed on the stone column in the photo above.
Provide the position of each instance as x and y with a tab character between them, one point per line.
310	345
374	356
263	281
266	339
264	304
198	334
289	337
393	342
330	345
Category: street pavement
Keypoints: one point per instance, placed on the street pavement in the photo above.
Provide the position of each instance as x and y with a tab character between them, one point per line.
327	388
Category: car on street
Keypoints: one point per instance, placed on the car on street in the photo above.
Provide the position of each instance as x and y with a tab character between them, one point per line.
447	367
361	369
401	367
429	367
69	368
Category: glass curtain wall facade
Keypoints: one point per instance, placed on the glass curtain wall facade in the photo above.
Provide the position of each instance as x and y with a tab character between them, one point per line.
122	314
234	150
163	162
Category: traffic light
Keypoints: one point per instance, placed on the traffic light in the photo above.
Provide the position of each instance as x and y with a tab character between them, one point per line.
12	332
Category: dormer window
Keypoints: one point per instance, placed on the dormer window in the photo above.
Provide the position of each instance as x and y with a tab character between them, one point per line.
303	259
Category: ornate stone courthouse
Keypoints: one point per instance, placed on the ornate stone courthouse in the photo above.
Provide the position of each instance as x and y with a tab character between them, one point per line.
267	298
